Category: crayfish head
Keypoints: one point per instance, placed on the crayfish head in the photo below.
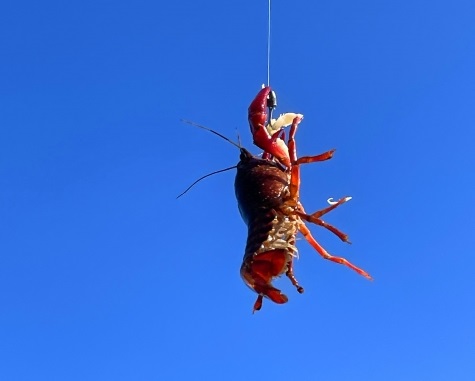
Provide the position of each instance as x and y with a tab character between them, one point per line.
259	271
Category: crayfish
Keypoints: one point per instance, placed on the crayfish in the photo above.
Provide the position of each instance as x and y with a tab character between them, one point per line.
267	191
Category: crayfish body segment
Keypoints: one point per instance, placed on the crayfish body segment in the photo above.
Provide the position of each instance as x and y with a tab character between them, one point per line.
267	191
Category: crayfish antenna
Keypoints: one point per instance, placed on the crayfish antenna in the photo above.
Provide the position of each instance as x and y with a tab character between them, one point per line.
204	177
212	131
215	172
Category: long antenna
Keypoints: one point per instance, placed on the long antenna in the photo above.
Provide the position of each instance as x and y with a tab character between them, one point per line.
212	131
204	177
215	172
268	46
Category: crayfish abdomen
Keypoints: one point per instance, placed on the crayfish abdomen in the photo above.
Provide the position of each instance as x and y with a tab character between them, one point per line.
262	191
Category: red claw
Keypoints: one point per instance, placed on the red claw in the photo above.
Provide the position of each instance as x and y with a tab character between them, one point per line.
257	116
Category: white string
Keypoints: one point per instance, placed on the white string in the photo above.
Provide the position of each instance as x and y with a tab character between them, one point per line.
268	46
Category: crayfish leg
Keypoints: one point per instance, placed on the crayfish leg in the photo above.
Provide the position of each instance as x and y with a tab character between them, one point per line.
291	142
312	159
315	218
293	279
294	185
342	261
326	225
333	205
333	229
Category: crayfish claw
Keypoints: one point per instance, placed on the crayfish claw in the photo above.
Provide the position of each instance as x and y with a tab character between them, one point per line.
257	116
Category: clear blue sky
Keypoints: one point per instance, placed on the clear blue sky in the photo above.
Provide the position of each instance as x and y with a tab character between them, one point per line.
104	275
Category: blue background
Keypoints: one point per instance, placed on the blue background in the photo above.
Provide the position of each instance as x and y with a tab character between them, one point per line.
104	275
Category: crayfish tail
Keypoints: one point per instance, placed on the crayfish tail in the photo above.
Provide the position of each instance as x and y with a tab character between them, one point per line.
258	272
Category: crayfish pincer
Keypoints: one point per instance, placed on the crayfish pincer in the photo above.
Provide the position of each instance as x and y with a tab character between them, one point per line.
267	191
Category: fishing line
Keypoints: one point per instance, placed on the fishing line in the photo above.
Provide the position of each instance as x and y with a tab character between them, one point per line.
268	44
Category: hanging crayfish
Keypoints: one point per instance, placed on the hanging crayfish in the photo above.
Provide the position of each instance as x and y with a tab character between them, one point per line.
267	191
